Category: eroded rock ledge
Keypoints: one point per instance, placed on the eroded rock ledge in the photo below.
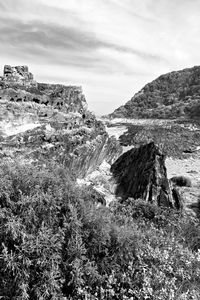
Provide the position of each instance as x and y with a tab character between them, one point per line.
50	122
18	85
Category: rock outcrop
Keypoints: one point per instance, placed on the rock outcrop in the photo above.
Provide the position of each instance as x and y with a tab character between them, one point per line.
50	122
18	85
141	173
181	181
18	75
176	94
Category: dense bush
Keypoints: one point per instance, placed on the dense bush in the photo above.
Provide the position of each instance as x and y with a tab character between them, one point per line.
171	95
56	243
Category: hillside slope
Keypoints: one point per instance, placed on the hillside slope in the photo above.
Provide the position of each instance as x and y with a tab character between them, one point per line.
175	94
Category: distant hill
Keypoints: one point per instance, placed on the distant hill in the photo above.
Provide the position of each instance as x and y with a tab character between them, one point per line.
175	94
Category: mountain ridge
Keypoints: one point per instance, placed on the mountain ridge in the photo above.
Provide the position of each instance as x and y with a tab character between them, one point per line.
171	95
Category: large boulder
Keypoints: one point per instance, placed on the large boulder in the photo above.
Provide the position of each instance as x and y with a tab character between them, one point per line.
141	173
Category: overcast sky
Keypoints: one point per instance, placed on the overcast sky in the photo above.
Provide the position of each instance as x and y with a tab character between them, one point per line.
110	47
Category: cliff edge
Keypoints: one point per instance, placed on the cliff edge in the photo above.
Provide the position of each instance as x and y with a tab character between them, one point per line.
50	122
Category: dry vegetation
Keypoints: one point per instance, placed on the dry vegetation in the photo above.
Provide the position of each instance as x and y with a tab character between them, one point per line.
56	243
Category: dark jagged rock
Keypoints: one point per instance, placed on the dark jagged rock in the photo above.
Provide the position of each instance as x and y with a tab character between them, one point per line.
178	201
141	173
175	94
41	122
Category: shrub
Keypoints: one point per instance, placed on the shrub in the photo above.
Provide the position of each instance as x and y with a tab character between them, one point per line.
56	243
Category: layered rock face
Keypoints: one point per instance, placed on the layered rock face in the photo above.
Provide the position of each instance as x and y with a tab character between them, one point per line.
18	85
176	94
141	173
18	75
50	122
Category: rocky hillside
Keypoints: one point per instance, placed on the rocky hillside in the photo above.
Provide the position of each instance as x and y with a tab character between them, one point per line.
176	94
17	85
41	122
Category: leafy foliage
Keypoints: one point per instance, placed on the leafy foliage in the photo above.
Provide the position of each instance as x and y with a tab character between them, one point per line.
56	243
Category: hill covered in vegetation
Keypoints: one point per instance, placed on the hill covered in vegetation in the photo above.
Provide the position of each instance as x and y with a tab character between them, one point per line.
175	94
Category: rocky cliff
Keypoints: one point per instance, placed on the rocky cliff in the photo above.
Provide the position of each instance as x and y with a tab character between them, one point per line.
18	75
176	94
42	122
17	85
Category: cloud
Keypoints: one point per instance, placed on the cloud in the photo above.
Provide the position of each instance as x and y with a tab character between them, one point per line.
112	47
18	33
136	52
47	36
68	45
47	41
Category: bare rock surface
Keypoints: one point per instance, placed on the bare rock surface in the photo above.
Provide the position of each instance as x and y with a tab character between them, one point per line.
18	75
18	85
141	173
177	163
50	122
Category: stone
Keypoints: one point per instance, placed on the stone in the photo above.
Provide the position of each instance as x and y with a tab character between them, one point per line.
178	201
50	122
18	85
140	173
7	70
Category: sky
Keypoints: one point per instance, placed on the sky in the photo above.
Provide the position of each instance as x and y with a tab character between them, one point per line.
112	48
